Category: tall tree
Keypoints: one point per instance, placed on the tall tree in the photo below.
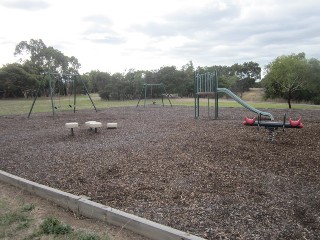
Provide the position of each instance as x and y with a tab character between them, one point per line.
99	80
188	83
313	86
16	81
285	75
45	58
248	74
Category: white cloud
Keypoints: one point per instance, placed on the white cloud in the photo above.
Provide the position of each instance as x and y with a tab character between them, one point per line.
117	35
28	5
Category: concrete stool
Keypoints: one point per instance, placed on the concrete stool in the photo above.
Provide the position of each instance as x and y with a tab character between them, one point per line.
112	125
71	126
94	124
88	123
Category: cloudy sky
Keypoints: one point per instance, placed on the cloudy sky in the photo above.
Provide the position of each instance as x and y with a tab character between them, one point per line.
117	35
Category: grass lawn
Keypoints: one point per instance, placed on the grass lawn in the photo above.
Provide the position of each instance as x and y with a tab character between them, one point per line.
22	106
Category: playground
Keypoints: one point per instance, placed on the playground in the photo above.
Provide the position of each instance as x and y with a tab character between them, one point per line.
212	178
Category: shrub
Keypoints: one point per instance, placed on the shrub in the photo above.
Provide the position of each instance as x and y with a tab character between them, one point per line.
316	100
54	226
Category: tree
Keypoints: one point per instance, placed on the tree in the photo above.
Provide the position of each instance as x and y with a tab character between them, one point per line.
99	80
169	77
238	77
16	81
39	58
133	82
313	86
45	58
286	75
188	71
248	74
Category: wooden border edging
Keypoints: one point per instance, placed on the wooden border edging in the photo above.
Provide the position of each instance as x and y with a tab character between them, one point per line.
95	210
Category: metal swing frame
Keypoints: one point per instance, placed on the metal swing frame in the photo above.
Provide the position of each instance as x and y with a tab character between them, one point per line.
144	92
52	89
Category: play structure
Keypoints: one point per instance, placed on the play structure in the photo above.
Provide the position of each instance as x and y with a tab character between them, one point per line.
272	126
66	83
206	85
151	87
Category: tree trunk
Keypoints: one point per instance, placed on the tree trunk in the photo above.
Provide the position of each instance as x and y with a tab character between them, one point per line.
289	98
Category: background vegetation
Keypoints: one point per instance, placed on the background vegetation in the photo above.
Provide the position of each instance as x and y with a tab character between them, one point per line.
291	77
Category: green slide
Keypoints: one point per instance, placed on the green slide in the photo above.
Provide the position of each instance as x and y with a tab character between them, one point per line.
243	103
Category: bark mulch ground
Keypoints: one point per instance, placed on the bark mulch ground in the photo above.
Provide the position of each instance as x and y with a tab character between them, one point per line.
216	179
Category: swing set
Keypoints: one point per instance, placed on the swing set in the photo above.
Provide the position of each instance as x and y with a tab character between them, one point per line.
144	92
58	82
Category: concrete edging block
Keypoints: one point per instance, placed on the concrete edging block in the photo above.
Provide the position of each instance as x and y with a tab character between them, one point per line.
95	210
134	223
63	199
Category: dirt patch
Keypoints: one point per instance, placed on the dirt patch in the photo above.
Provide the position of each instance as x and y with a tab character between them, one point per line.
12	198
214	179
254	94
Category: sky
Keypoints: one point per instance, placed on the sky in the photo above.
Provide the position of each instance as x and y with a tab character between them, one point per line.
119	35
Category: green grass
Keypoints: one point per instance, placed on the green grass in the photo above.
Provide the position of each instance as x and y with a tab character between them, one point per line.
54	227
234	104
17	221
22	106
14	219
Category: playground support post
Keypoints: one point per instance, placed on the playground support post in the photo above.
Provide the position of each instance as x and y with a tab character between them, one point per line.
208	106
195	94
51	96
74	96
145	95
35	98
216	103
165	90
87	92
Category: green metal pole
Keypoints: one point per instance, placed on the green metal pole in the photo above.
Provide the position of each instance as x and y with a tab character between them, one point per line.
51	96
87	92
195	95
199	81
216	95
145	94
140	96
74	94
164	88
208	107
195	106
34	100
162	92
198	103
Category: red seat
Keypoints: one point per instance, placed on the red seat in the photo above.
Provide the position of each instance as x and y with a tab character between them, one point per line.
249	121
296	123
